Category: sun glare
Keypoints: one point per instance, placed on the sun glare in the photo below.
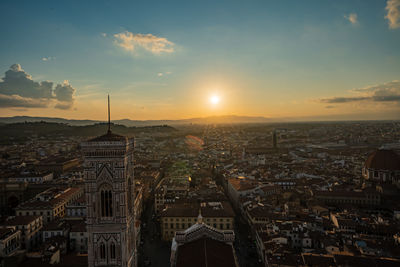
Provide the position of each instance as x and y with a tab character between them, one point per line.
214	99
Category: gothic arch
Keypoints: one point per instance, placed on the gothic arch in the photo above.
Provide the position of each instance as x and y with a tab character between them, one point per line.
105	192
104	175
102	251
113	250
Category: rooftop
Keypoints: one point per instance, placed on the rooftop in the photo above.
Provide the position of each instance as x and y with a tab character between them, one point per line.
21	220
109	136
383	159
205	252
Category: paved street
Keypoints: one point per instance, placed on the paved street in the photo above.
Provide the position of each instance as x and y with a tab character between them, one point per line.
246	250
153	251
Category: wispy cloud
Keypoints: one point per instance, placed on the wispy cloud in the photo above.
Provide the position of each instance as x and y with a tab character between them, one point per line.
130	42
386	92
352	17
337	100
160	74
393	13
48	58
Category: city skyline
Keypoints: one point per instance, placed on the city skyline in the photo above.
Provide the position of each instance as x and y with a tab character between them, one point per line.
334	60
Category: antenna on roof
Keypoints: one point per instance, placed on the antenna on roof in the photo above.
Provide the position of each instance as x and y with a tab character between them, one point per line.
109	121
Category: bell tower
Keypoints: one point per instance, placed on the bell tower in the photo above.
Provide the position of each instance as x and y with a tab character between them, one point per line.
109	190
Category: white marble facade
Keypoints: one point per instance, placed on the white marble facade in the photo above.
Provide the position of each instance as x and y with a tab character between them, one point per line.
109	189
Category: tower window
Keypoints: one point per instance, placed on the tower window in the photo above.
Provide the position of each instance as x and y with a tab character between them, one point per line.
102	251
106	203
112	250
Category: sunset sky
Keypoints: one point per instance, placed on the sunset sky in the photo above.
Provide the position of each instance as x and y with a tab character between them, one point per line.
184	59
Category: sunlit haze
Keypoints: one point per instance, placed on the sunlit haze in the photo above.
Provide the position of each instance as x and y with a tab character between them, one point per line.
313	60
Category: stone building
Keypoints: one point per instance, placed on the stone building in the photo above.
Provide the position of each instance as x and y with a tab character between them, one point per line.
30	227
203	245
109	187
10	241
178	217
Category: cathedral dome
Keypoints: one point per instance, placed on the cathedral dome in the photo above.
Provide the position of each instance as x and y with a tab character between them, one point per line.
383	159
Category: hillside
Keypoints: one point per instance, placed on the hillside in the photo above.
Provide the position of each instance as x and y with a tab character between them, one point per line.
21	131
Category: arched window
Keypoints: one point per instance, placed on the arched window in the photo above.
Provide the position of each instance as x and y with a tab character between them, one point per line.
102	251
112	250
106	203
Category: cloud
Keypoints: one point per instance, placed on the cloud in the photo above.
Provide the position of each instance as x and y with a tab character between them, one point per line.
48	58
386	92
18	89
7	101
64	92
63	105
131	42
342	99
352	17
104	34
393	13
160	74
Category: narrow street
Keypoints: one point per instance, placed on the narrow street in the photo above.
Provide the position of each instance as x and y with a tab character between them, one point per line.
152	251
245	247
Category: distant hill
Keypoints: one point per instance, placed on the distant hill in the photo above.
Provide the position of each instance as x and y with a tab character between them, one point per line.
19	119
23	130
228	119
131	123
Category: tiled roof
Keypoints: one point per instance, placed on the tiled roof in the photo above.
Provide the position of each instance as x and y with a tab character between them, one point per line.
21	220
223	209
242	185
383	159
206	252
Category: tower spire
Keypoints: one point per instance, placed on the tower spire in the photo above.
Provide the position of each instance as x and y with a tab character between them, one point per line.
109	121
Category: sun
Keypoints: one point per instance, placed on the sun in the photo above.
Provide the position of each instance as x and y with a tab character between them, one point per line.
214	99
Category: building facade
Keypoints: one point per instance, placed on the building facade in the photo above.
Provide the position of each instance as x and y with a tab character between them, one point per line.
49	204
178	217
10	241
30	228
203	245
109	188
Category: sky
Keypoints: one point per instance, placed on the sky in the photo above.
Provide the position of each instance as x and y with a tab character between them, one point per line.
184	59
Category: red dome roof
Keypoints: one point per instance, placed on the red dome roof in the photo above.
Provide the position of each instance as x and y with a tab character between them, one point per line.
383	159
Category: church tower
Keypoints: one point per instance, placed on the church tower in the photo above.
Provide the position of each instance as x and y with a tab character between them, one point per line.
109	189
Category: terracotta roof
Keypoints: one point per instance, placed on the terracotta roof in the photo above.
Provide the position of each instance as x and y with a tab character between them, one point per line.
221	209
77	225
21	220
5	232
40	205
242	184
65	261
346	260
206	252
318	260
383	159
